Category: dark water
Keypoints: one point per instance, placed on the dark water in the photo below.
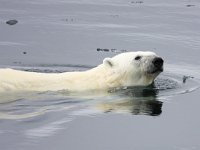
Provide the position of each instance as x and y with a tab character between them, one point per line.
57	36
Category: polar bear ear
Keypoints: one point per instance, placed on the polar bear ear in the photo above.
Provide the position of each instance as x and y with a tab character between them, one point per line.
108	62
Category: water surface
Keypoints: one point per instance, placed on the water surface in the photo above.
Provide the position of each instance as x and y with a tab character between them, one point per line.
56	36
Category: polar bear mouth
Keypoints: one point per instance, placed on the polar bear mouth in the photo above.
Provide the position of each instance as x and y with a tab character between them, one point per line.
156	70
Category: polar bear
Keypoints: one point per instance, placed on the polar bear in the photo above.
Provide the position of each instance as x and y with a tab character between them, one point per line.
126	69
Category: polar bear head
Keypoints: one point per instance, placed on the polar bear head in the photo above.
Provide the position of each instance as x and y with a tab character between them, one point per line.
134	68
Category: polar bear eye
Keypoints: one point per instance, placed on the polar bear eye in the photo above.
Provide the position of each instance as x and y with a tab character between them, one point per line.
138	57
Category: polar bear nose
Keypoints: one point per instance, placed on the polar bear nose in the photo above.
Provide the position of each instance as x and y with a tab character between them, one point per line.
158	62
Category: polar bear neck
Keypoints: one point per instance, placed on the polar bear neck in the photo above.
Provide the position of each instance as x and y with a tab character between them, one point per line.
129	78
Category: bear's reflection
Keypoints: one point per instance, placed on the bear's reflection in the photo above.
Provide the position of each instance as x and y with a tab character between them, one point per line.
134	100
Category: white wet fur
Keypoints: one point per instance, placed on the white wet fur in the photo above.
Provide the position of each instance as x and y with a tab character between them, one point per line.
119	71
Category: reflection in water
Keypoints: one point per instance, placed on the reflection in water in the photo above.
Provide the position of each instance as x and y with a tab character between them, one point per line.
152	108
135	100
